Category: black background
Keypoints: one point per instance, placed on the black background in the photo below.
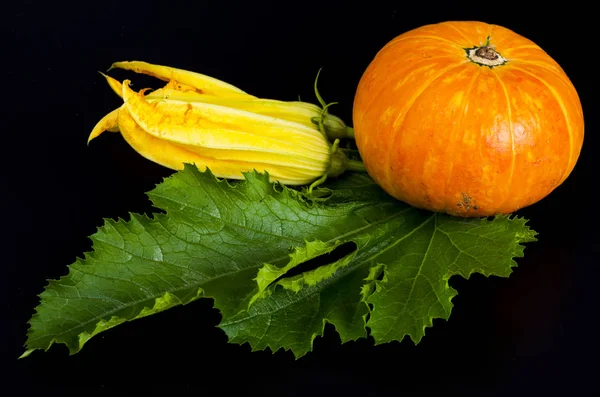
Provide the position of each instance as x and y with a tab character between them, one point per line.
532	332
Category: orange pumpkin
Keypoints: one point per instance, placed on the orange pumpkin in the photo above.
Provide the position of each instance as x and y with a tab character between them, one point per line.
467	118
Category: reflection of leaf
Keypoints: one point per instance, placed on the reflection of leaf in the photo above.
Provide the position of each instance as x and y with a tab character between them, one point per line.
245	244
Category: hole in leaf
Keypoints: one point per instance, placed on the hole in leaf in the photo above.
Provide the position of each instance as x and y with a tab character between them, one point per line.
338	253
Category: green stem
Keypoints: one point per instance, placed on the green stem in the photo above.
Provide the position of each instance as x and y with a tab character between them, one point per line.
350	132
333	132
316	183
355	165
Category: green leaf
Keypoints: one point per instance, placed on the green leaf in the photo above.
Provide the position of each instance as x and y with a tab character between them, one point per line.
382	265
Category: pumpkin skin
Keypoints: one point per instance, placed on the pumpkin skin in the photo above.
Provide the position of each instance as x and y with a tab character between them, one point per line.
467	118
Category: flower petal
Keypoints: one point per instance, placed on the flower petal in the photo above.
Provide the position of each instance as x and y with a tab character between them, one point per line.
219	127
107	123
205	84
174	156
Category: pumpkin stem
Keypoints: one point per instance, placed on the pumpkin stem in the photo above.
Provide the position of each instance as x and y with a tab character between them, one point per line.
485	55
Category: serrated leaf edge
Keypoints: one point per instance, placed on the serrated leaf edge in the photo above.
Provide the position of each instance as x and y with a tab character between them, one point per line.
103	325
161	303
528	235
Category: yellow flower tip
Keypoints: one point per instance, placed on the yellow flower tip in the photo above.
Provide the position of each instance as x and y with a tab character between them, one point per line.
110	122
126	92
115	65
114	84
95	133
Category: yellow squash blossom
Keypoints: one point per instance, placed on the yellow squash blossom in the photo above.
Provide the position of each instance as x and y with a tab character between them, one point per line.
200	120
